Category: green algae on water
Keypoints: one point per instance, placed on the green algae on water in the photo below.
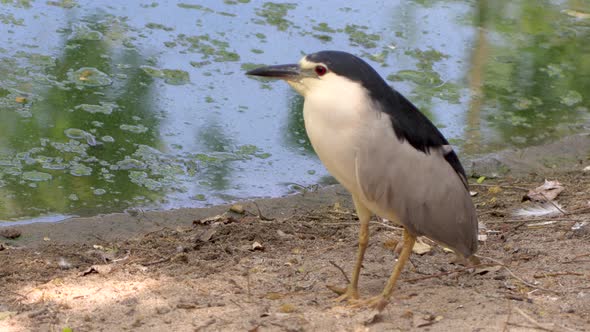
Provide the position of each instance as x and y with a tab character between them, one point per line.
274	14
130	163
323	27
104	108
194	6
170	76
175	76
63	3
358	36
99	192
137	129
208	47
571	98
158	26
36	176
81	32
80	170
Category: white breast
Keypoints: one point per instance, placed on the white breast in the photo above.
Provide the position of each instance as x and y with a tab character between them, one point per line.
335	116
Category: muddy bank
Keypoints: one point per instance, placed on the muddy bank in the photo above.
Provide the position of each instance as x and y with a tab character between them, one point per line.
571	153
267	269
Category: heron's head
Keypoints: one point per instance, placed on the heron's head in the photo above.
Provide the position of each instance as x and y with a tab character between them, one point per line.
333	73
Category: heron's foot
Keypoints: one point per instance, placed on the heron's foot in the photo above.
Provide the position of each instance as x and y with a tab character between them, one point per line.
378	302
348	293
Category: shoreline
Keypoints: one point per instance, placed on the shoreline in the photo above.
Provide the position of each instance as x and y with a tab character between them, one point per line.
568	154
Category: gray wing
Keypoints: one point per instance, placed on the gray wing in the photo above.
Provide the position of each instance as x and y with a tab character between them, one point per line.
420	190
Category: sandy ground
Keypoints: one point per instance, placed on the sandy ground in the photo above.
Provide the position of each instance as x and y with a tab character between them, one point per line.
214	270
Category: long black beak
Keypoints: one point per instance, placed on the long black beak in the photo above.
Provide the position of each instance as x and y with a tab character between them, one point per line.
279	71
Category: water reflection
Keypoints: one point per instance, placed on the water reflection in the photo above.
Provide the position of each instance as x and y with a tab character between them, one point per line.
535	79
90	88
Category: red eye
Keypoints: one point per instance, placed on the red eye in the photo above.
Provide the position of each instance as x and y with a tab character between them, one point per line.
321	70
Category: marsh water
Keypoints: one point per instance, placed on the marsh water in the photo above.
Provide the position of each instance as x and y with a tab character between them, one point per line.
114	105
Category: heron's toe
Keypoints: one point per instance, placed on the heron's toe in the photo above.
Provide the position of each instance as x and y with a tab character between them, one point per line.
346	294
378	302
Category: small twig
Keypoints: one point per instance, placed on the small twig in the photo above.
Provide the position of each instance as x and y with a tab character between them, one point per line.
442	274
573	260
557	274
155	231
121	259
532	321
260	213
517	277
505	329
554	205
580	211
236	303
157	262
205	325
348	213
17	294
338	223
498	185
341	271
99	238
517	226
524	326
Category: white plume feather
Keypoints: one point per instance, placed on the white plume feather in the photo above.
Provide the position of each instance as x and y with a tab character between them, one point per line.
546	209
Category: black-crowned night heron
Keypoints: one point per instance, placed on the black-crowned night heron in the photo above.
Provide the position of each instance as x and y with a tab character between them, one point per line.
386	153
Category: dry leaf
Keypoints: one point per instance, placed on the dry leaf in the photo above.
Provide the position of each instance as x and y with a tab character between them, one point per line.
547	192
421	248
257	246
274	295
20	100
223	218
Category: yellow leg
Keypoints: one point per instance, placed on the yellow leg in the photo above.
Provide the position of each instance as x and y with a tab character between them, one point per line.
380	301
351	292
409	241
